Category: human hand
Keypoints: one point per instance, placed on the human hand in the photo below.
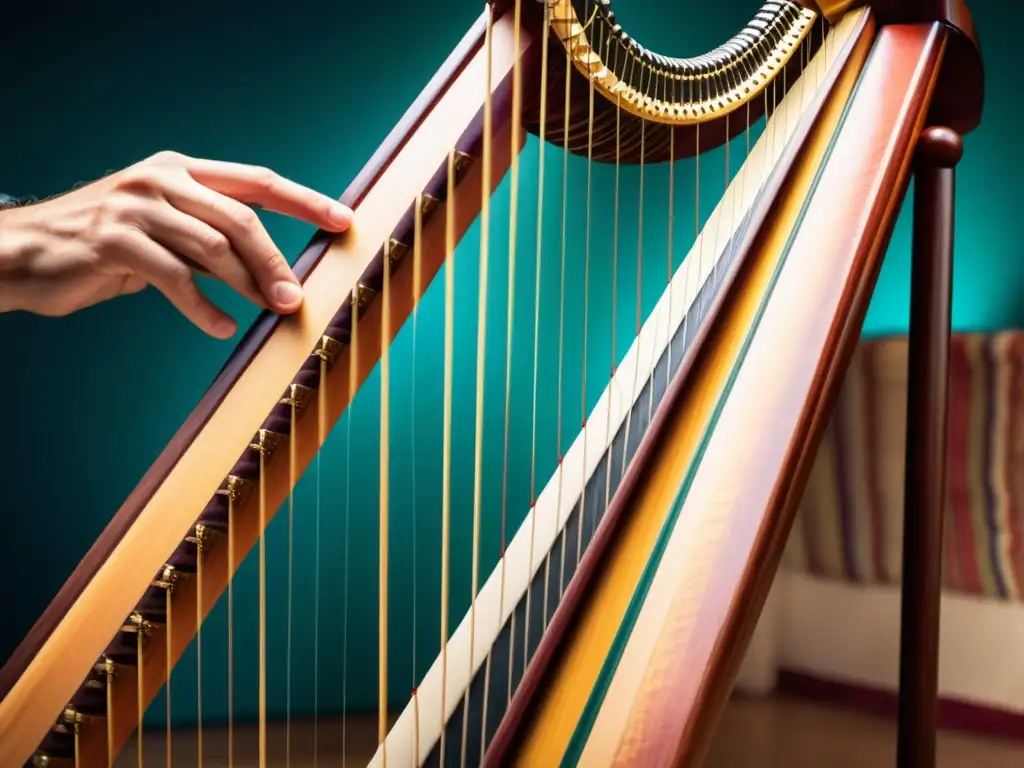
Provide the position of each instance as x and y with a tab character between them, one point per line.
153	223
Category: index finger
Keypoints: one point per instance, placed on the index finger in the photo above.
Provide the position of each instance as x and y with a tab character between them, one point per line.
262	187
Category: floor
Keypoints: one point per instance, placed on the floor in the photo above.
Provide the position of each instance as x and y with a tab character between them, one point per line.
799	734
772	733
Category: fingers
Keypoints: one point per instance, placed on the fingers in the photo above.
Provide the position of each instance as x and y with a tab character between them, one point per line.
249	240
263	187
208	248
172	277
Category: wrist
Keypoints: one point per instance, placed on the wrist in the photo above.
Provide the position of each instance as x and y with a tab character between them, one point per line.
15	257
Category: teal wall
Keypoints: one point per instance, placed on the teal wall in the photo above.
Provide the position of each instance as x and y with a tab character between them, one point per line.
311	90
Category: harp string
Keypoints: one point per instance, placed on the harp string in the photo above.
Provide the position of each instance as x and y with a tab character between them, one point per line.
169	577
561	327
481	349
231	632
636	366
292	441
446	487
200	537
385	403
140	702
586	313
108	668
718	222
510	319
639	287
417	283
262	620
671	244
539	266
615	280
321	439
353	385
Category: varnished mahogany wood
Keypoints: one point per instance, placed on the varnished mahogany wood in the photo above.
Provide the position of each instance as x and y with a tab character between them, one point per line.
559	631
248	347
960	93
763	447
931	290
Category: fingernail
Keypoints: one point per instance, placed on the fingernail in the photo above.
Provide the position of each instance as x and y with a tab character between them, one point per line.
287	295
340	214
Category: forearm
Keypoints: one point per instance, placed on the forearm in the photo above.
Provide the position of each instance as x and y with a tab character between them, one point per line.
16	248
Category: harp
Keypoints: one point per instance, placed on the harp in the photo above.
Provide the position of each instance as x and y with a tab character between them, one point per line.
611	506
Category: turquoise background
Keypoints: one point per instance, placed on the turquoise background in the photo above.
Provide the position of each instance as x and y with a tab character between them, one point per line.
311	89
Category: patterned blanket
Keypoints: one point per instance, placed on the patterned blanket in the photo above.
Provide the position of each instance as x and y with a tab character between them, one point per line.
849	525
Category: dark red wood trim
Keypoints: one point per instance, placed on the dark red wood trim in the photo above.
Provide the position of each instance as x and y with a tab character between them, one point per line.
953	714
560	630
960	92
247	349
931	293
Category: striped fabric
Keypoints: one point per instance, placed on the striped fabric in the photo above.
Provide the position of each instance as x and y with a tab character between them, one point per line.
849	525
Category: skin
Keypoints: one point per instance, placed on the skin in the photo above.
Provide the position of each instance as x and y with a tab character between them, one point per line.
156	223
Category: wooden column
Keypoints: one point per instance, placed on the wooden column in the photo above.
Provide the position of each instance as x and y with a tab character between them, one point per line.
938	151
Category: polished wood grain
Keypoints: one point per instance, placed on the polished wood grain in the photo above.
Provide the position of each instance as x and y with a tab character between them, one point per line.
960	92
757	460
548	703
931	291
40	693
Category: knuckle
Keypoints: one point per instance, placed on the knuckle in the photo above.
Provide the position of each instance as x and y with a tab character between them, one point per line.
168	157
212	242
180	277
141	179
264	178
274	261
247	218
114	237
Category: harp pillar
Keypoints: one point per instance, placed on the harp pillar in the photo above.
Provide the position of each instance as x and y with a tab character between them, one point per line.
938	151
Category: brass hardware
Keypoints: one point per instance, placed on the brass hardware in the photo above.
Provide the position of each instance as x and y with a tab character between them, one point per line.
200	536
462	163
428	204
298	397
169	577
137	625
235	488
397	251
573	33
266	442
69	722
40	760
105	666
328	349
363	296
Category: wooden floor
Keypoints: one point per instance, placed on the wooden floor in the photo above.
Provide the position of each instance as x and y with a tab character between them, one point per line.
791	733
772	733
